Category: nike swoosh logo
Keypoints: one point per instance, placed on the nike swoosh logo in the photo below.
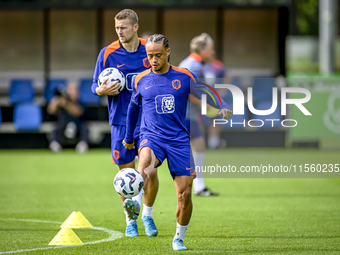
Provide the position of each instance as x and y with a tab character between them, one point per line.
188	168
120	65
148	87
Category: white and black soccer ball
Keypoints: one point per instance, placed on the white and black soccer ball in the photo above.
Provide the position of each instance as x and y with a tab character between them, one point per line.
113	74
128	182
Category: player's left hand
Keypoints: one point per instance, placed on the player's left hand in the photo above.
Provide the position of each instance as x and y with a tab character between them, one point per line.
128	146
226	113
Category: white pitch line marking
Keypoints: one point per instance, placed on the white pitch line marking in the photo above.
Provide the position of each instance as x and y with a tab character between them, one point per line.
113	236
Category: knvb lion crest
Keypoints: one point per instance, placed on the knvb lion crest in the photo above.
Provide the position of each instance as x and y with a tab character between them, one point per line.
176	84
165	104
168	104
146	63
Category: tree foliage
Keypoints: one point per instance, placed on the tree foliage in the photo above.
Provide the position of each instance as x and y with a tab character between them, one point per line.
307	16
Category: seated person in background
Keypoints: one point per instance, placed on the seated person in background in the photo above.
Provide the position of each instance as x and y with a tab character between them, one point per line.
70	122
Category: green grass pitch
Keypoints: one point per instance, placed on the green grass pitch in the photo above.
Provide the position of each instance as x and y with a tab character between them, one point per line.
39	190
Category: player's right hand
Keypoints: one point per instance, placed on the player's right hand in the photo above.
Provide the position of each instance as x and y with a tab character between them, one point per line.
226	113
109	90
128	146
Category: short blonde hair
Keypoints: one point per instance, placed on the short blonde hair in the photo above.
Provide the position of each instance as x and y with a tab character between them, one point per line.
127	14
200	42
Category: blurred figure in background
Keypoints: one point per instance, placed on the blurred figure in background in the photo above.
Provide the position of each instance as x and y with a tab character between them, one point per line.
202	50
145	35
216	73
70	125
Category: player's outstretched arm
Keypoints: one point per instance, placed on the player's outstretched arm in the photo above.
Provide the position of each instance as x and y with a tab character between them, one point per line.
213	99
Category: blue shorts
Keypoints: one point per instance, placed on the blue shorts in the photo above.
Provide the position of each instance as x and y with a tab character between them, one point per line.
179	156
121	155
194	128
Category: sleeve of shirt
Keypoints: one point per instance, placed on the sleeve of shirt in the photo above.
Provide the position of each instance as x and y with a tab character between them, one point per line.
132	115
98	69
197	89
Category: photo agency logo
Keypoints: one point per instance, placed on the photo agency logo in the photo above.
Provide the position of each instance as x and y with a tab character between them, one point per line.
301	96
